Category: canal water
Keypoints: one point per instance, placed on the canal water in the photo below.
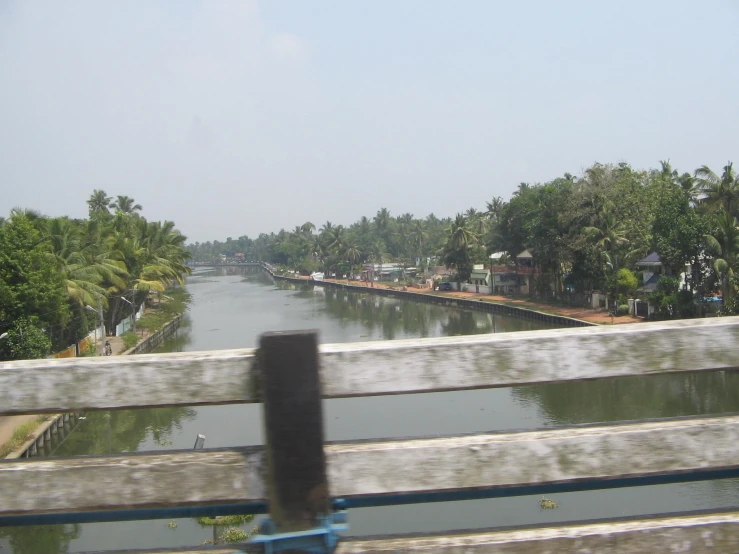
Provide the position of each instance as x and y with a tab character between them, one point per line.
232	306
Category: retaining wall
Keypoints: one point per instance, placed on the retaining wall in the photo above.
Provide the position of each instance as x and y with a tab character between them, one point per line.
473	304
47	436
52	432
153	341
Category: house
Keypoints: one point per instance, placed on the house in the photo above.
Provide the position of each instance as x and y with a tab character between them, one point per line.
652	268
383	272
503	278
526	270
439	272
480	278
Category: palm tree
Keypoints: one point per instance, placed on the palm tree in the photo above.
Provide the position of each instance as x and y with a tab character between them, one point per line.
522	188
690	187
308	228
725	245
608	238
99	202
336	239
382	219
460	236
85	271
376	255
721	192
666	170
457	252
494	208
125	204
419	235
364	227
352	254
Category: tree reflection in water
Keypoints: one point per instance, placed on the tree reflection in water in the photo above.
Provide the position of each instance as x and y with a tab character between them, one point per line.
628	398
46	539
392	318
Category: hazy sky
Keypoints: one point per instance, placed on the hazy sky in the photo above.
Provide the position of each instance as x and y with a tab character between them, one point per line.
240	117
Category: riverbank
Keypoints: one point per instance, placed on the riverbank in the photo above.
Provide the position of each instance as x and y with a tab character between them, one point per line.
18	434
530	310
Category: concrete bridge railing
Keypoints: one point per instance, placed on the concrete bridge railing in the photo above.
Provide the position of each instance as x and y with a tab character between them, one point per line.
299	480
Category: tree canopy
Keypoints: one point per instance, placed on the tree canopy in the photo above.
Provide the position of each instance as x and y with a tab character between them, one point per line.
52	270
582	230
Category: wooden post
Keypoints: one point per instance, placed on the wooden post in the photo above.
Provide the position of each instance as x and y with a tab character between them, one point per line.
297	486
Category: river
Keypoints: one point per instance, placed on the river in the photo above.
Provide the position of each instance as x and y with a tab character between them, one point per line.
232	306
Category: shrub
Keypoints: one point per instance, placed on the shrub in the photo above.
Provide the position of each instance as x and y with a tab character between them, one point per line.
623	309
627	280
129	340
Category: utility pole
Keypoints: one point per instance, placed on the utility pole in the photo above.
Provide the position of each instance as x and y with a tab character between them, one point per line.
133	310
102	325
99	313
133	306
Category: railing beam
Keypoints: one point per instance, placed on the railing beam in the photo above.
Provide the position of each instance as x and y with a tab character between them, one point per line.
386	472
376	368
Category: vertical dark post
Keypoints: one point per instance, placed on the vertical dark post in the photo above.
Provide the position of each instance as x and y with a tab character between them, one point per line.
293	418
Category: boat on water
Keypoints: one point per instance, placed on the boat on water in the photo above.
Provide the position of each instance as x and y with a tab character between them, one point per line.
316	276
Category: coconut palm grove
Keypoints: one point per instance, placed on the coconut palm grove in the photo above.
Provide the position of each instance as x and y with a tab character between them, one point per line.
58	275
586	233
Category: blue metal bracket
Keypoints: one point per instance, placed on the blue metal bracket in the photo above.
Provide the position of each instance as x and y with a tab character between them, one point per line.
322	539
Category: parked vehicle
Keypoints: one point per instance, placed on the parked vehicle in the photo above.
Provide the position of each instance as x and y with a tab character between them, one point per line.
445	286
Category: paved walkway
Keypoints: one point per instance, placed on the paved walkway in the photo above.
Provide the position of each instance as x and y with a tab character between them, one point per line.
8	424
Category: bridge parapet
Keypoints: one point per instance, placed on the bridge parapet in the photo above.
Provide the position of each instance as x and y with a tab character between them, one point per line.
296	475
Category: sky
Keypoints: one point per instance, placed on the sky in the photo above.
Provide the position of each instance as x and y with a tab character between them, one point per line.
240	117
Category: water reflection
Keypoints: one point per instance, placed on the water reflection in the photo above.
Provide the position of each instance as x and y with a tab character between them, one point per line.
46	539
627	398
113	432
388	318
233	305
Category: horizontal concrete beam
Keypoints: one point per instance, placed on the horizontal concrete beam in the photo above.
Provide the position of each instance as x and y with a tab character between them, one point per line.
688	533
705	533
377	470
376	368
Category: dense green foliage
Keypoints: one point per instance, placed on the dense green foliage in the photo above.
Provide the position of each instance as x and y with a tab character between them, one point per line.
582	230
56	273
129	340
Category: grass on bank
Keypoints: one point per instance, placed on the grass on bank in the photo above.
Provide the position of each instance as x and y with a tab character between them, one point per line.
21	434
162	313
129	340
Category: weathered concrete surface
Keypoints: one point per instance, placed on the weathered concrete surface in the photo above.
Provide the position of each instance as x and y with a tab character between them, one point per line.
390	367
717	533
49	485
712	533
376	469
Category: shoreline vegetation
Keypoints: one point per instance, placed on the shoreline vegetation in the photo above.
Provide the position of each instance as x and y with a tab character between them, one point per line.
155	318
667	237
61	279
